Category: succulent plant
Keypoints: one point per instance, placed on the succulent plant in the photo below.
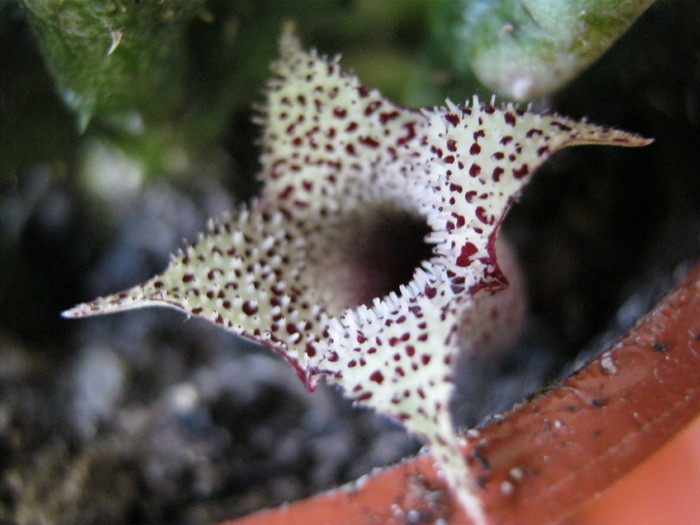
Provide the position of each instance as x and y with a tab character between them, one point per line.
371	256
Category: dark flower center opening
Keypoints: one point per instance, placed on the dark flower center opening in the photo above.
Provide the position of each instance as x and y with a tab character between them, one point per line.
372	254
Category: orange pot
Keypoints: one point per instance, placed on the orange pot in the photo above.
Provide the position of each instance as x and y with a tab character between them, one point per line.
662	491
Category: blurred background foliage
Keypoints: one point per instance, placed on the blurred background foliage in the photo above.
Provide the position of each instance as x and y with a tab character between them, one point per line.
124	124
163	83
158	84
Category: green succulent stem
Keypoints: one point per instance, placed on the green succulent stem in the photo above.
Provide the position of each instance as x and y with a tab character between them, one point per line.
524	49
122	60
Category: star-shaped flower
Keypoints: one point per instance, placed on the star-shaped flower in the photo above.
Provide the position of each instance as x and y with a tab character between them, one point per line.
370	256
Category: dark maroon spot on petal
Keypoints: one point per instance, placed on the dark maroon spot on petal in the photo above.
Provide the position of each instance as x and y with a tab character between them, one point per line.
287	192
452	145
211	275
521	172
250	308
372	107
475	149
474	170
377	377
561	126
452	119
410	133
509	118
369	141
387	117
467	251
497	172
482	216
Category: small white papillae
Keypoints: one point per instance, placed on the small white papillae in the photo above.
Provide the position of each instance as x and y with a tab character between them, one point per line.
305	269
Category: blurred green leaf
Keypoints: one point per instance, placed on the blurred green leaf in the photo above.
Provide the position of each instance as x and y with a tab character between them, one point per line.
524	49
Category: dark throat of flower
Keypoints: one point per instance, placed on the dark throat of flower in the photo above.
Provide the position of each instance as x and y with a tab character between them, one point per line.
371	254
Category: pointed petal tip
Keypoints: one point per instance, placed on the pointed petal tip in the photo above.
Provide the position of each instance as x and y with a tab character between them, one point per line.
127	300
85	310
616	137
71	313
640	141
584	132
97	307
627	140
